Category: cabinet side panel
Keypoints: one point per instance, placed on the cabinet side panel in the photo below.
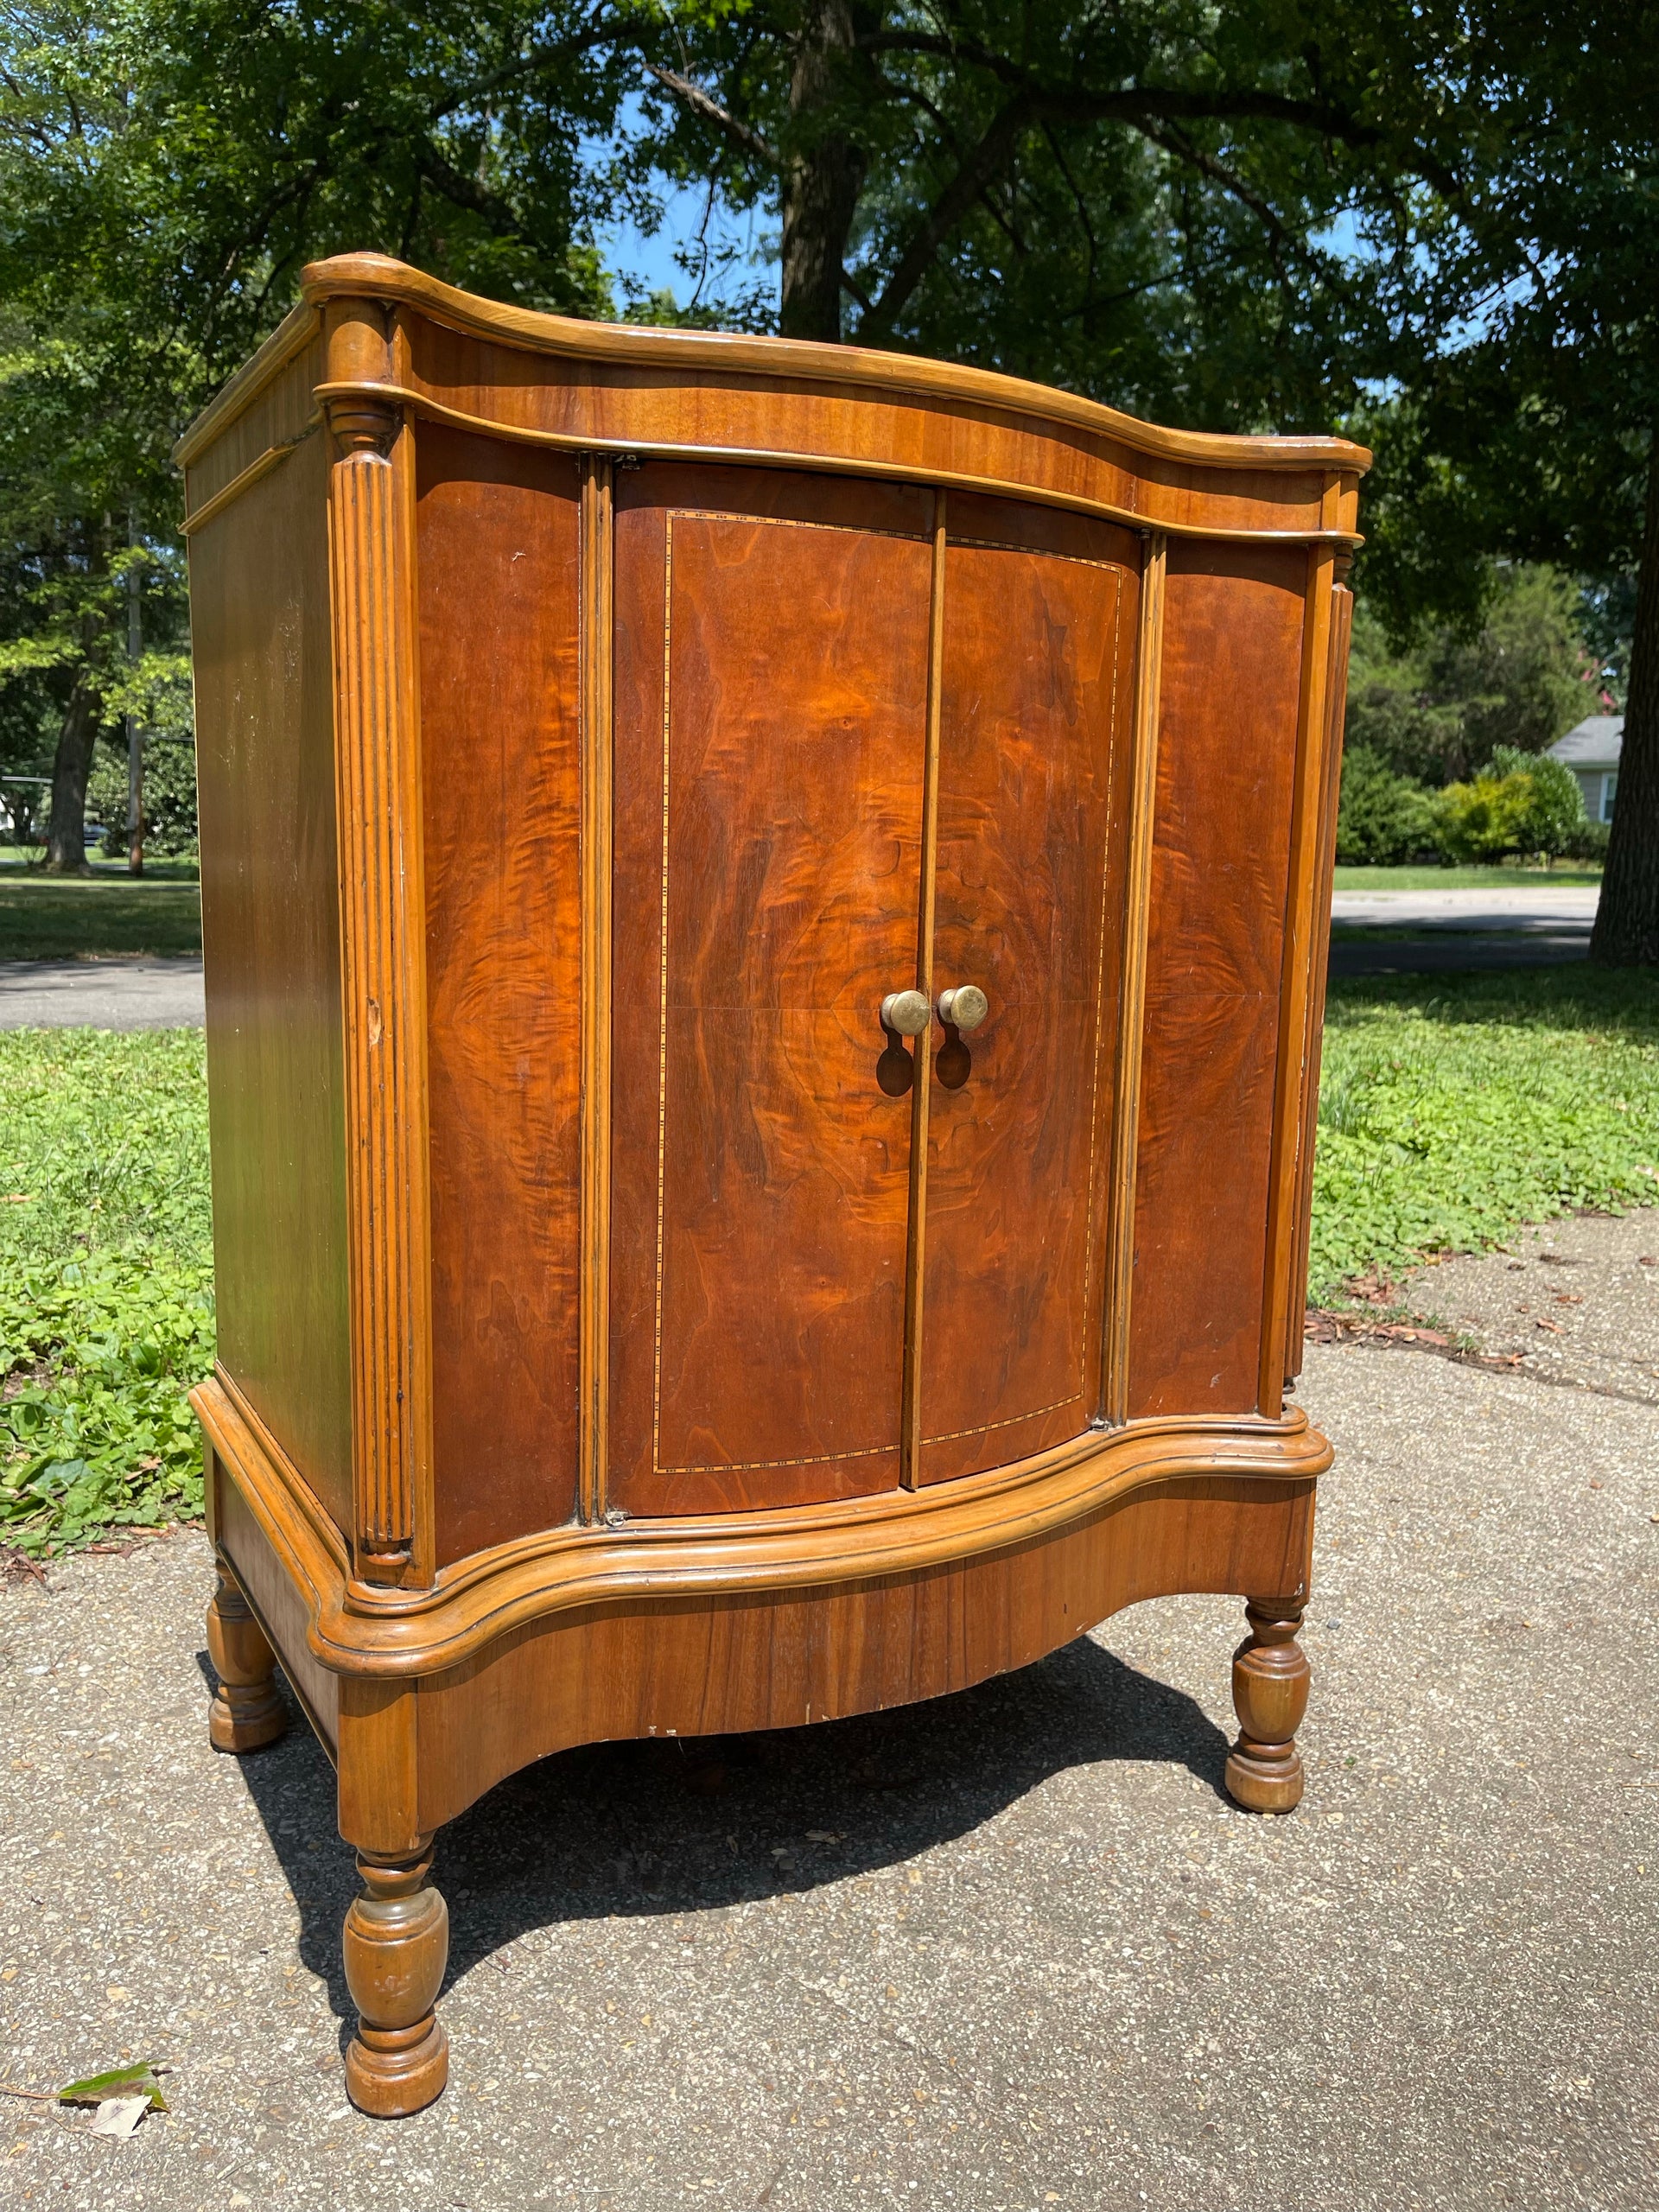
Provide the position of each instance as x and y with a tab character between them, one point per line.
259	611
498	556
1220	862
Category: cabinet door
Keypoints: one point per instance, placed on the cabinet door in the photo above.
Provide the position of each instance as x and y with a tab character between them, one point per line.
771	673
1039	631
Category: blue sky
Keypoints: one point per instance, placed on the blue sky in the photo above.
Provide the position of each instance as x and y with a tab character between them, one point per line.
650	261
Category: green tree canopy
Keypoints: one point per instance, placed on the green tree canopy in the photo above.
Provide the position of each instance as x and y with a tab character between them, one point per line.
1435	216
1436	710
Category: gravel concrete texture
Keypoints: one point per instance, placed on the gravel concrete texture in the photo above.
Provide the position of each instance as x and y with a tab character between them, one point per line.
1577	1302
141	992
1013	1949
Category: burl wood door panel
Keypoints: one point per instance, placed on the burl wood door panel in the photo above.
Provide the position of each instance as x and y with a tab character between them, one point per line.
1039	631
770	674
1220	880
501	797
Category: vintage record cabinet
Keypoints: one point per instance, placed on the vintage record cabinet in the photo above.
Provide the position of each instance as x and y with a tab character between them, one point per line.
765	914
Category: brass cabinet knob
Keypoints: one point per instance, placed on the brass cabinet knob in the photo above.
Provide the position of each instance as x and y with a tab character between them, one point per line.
964	1007
906	1011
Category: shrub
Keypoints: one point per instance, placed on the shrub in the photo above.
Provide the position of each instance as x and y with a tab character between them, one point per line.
1520	803
169	797
1384	818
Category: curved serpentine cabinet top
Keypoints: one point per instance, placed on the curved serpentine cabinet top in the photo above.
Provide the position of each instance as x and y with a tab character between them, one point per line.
622	388
616	746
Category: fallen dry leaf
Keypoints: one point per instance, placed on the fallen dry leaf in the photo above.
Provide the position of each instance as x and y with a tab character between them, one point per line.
118	2116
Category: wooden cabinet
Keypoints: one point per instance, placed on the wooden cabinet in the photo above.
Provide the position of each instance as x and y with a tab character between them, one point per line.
764	918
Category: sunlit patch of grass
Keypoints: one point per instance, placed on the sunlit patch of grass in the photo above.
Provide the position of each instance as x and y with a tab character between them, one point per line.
1452	1110
106	1315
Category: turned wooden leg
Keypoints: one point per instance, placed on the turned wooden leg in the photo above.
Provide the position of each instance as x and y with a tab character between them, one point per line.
247	1710
396	1944
1270	1678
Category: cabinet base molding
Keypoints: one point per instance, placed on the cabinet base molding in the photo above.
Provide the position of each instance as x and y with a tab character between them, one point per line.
452	1698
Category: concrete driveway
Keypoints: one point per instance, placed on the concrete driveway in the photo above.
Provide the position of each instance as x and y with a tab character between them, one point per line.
1015	1949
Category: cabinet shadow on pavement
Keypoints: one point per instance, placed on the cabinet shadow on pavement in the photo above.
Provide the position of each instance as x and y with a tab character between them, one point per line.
673	1826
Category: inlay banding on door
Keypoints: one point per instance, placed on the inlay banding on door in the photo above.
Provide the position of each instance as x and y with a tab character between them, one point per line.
785	760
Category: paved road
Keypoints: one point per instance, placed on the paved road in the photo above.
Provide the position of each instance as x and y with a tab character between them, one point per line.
1375	933
1426	932
136	993
1015	1949
1540	907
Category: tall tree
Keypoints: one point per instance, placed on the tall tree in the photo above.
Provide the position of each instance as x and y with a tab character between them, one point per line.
1250	216
166	169
1525	419
1128	200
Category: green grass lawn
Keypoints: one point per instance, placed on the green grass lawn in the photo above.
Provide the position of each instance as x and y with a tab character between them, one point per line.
1453	1109
1566	876
106	1314
68	918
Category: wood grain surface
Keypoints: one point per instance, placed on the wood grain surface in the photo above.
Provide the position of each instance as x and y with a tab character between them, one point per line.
771	693
1320	959
678	699
1039	628
598	747
498	599
382	910
260	622
1226	766
677	393
1283	1289
714	1665
1133	906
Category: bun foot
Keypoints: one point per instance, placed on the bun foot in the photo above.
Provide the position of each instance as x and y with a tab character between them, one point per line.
246	1712
1265	1777
397	1946
388	2075
1271	1681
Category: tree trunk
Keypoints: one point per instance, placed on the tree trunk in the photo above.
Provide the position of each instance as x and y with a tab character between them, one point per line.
1626	934
822	182
66	840
135	736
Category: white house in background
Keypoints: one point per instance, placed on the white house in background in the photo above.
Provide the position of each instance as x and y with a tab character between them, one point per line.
1592	753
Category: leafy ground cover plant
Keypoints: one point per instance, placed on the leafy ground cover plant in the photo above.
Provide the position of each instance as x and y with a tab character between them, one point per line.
1454	1109
106	1312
